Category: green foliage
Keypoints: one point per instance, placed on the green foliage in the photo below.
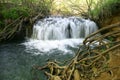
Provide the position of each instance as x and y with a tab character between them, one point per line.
15	12
103	8
90	8
1	24
45	6
15	8
111	38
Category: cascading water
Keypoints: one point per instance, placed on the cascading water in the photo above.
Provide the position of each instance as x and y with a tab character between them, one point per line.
59	28
59	33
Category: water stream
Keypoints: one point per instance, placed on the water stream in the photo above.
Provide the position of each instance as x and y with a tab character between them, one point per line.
53	38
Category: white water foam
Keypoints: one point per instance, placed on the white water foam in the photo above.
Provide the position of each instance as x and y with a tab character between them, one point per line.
47	45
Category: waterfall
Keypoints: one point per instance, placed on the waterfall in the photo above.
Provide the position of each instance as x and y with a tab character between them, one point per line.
59	33
58	28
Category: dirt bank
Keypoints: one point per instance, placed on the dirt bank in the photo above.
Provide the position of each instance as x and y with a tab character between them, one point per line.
114	63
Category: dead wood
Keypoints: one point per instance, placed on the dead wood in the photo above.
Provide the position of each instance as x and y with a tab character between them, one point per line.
89	63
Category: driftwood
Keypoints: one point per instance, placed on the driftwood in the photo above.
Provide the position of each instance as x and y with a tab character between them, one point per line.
88	63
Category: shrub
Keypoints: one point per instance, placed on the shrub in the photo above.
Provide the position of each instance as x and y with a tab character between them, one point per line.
104	9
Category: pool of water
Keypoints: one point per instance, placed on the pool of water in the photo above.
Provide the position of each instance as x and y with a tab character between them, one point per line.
16	61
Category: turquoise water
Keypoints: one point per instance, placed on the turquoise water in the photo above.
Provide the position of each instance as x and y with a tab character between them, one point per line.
16	63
